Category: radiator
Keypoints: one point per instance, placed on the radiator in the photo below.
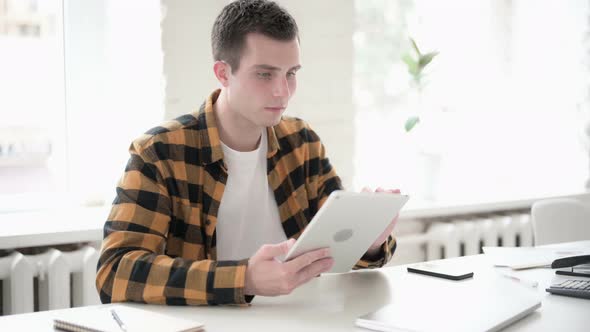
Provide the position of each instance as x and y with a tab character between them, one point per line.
461	236
47	281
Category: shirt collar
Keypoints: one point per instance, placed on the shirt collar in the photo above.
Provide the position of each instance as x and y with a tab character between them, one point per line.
210	136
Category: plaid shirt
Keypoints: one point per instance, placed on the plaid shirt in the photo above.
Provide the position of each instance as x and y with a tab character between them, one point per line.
159	239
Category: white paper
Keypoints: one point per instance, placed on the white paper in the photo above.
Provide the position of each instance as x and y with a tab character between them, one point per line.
529	257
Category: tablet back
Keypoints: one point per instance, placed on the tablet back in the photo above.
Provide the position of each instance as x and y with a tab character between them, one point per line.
348	223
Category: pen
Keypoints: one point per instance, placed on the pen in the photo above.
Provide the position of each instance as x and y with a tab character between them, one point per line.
529	283
118	320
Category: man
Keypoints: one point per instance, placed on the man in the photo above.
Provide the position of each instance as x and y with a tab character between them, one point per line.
210	199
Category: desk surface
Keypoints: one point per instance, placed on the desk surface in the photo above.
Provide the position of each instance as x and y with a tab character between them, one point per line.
333	302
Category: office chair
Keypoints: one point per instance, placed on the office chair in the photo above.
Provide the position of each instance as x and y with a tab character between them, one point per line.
560	220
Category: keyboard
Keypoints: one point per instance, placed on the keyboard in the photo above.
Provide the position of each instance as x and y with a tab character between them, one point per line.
573	287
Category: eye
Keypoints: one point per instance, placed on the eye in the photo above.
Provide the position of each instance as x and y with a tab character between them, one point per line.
291	74
265	76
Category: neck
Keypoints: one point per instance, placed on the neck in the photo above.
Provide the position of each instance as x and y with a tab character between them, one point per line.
234	130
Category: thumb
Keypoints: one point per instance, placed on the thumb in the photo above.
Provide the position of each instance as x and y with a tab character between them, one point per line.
279	249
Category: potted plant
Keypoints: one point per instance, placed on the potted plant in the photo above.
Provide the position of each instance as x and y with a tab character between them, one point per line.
429	158
417	62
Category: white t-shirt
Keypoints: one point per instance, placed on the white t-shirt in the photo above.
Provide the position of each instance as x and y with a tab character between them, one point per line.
248	215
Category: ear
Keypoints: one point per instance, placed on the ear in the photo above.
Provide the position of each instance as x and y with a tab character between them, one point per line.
222	71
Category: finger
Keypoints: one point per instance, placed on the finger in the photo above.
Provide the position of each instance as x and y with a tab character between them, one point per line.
383	237
394	191
314	269
291	243
379	190
302	261
391	225
366	189
388	231
274	250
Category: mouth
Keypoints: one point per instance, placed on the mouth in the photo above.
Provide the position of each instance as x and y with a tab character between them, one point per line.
275	109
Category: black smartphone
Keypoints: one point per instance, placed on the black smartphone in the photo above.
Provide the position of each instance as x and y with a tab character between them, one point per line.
441	271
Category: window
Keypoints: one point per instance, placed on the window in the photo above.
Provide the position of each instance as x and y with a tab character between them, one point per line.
32	140
79	81
503	109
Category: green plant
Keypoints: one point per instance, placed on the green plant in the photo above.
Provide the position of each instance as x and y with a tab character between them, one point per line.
416	62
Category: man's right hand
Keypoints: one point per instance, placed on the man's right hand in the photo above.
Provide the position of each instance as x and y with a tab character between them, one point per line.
268	276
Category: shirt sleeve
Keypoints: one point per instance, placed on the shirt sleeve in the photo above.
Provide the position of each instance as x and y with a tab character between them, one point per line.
381	258
328	180
133	265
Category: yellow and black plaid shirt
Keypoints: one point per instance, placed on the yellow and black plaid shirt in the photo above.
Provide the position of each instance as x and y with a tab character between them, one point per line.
159	239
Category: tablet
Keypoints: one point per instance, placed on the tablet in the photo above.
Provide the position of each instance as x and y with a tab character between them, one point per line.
348	223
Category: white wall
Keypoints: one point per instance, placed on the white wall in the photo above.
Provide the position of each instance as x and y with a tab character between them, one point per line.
324	95
186	42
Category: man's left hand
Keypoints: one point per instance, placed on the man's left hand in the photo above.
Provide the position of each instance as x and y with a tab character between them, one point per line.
376	246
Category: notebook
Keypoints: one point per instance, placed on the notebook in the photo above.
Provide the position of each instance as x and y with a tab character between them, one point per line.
101	320
443	305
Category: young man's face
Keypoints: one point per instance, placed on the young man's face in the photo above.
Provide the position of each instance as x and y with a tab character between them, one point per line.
259	91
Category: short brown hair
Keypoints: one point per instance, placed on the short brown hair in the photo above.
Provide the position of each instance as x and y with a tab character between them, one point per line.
241	17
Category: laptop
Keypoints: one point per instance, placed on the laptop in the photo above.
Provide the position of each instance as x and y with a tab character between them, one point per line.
434	304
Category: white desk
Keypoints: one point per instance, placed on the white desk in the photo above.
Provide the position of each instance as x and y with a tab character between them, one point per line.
332	303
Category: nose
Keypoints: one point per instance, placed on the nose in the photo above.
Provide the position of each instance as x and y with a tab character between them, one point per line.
281	88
